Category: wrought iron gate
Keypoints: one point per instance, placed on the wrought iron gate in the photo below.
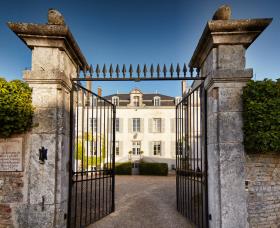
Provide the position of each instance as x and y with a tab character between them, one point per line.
92	157
191	157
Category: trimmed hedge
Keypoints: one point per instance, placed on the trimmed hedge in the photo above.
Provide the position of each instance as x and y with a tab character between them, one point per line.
157	169
16	110
123	168
261	103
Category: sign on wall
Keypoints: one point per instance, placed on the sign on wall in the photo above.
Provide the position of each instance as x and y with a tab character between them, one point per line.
11	154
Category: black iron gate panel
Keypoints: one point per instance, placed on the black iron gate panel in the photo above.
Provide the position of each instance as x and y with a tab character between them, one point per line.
92	157
191	157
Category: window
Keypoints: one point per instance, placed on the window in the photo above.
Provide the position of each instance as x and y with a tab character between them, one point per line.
136	147
117	124
93	124
117	148
136	101
157	148
136	124
115	101
156	101
156	125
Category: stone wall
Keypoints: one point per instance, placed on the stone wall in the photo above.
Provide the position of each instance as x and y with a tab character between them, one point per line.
263	203
13	191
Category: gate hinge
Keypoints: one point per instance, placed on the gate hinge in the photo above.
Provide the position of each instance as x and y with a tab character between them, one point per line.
210	217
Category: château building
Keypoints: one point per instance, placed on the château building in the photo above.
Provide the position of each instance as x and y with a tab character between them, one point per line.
145	127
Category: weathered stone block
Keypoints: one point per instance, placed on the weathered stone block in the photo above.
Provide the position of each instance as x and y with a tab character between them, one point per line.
230	127
230	99
42	178
231	57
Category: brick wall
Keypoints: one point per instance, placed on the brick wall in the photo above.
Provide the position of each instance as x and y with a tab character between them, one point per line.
263	203
11	187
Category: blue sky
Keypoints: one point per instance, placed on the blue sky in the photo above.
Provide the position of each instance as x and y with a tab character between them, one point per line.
138	31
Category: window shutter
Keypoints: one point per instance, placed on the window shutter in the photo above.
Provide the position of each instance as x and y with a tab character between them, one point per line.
162	148
120	125
172	124
151	151
142	125
162	125
130	125
150	125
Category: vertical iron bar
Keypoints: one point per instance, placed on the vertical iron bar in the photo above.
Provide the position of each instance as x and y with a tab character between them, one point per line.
176	153
103	156
96	158
69	220
87	123
188	159
100	158
182	158
194	157
191	157
76	155
113	173
82	173
92	154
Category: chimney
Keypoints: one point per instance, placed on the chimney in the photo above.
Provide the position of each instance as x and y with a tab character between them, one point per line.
99	91
88	86
184	87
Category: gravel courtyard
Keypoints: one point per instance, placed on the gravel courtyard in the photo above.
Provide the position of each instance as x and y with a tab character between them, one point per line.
144	202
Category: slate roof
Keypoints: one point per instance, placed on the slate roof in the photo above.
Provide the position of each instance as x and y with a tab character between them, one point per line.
124	99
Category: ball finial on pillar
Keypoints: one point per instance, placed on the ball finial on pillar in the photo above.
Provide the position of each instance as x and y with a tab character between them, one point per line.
55	17
222	13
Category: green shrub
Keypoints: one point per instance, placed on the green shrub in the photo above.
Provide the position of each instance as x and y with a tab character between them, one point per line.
157	169
123	168
261	103
16	109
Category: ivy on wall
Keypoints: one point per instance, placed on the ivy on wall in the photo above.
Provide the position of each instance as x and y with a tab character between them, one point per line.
16	108
261	103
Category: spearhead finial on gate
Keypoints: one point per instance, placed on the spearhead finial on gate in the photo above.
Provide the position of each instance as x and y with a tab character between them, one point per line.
117	70
145	70
158	70
124	70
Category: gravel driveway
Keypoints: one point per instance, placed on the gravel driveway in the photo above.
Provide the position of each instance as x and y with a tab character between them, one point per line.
144	202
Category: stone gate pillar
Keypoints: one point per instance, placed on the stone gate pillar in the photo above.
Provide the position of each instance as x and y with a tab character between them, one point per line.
55	59
220	54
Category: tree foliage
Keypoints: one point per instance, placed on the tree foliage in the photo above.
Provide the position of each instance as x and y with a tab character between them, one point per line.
16	110
261	103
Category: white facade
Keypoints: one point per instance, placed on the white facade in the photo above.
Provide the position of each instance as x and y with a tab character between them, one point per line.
145	127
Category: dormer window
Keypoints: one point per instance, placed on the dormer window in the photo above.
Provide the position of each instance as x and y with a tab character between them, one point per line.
136	101
178	100
115	100
156	101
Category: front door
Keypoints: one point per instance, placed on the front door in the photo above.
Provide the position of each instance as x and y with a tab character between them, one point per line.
92	158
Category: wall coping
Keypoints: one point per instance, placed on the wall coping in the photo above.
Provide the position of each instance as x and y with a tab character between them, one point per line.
28	31
227	32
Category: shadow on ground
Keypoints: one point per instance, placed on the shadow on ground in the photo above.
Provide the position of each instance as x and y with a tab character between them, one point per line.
144	202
